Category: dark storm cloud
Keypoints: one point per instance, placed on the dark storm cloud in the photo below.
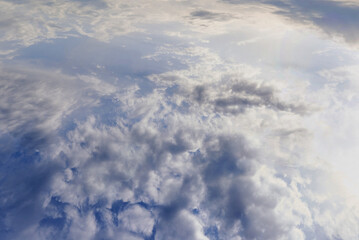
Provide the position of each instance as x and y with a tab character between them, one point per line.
333	17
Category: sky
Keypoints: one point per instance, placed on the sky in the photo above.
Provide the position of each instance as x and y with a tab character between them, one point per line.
177	119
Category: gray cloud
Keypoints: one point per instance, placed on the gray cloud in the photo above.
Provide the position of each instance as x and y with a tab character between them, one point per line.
243	95
208	15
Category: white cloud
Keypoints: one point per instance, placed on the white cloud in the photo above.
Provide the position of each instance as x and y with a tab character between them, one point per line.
214	149
137	219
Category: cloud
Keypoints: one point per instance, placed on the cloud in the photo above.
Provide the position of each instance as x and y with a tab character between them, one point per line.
34	101
105	20
248	95
336	18
137	219
172	163
207	15
167	137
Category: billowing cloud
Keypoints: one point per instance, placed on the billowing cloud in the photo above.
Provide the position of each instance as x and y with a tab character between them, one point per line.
118	122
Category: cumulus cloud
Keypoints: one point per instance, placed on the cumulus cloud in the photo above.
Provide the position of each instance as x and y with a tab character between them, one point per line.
169	172
167	138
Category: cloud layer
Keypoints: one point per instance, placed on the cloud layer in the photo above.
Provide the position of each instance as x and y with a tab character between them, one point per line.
177	120
336	18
